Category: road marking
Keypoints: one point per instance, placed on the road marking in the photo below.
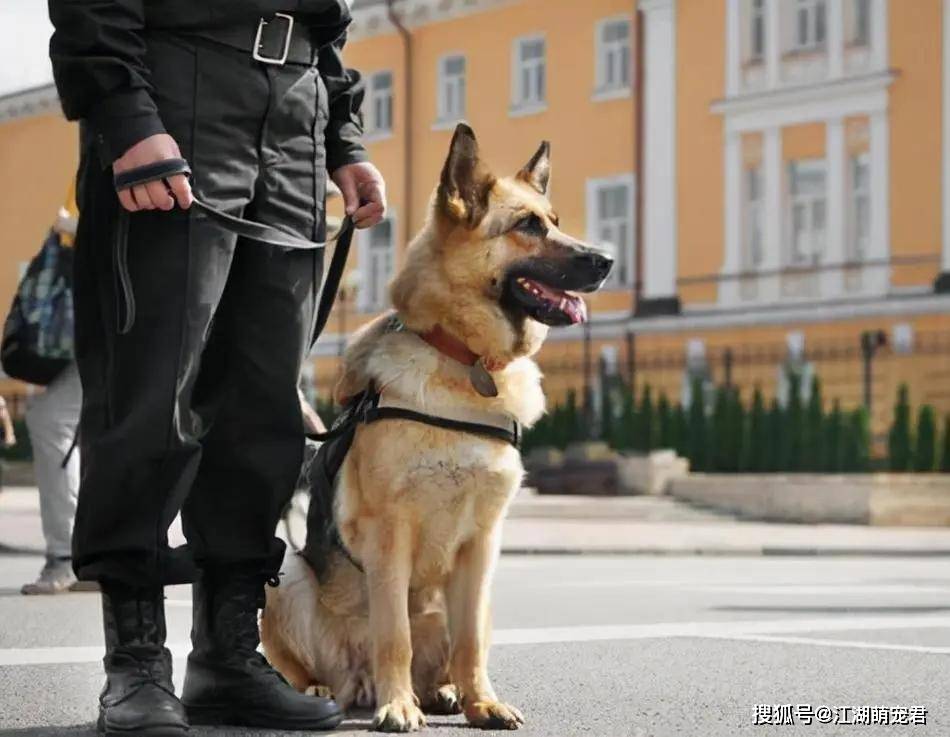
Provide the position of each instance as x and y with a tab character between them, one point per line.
743	629
545	635
831	588
817	641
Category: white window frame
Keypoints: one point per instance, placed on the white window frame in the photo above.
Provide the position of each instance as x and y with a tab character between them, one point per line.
817	239
815	21
753	221
445	116
625	252
520	104
856	250
604	89
757	12
366	255
375	131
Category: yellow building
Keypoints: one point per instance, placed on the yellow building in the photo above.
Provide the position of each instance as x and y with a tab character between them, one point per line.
791	193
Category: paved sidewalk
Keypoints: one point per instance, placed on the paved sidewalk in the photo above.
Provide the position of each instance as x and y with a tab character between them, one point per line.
625	525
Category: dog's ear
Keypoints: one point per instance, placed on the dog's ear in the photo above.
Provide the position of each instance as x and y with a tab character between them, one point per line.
466	181
537	172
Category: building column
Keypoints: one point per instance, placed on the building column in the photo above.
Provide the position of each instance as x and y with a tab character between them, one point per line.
835	38
879	277
943	281
732	263
879	34
659	295
733	47
773	43
836	235
774	175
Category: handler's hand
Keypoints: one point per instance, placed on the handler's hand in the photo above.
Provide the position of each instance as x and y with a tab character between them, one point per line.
153	195
364	193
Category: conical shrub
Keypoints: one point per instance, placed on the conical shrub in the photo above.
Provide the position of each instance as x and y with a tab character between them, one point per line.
899	438
925	447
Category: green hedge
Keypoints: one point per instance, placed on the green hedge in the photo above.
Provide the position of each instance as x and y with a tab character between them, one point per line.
721	433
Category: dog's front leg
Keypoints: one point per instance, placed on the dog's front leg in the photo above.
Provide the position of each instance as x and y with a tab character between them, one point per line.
388	566
469	600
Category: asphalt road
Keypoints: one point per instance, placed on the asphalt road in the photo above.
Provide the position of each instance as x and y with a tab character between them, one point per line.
604	646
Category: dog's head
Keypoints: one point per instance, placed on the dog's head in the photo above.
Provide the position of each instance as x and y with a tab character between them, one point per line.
493	252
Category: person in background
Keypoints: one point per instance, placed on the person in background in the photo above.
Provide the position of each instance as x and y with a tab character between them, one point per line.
52	417
9	435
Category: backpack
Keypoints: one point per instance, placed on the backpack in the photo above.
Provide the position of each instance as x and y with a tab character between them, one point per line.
38	334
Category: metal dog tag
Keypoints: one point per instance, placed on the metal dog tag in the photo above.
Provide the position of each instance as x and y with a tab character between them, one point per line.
482	380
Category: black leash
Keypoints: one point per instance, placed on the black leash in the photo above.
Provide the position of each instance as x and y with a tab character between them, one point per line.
248	229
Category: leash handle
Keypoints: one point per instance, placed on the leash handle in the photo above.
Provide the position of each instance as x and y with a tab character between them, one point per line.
270	234
247	229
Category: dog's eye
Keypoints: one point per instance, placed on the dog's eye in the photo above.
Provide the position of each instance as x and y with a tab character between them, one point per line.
556	220
531	225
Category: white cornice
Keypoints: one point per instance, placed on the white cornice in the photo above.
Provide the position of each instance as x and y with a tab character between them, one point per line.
613	325
868	90
895	305
374	20
25	104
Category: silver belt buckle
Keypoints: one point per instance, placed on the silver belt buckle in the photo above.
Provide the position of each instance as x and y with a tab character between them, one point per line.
261	24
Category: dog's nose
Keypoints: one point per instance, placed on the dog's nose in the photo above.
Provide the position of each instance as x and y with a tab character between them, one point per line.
600	263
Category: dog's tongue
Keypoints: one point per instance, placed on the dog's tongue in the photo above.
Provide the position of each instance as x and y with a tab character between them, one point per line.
570	304
575	308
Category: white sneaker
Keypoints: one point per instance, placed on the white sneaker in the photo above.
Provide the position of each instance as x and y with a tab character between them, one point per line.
56	577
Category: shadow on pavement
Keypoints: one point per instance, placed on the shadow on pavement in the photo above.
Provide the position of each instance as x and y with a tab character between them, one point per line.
18	550
361	723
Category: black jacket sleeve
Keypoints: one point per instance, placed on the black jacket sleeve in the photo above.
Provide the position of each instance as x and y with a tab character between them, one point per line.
98	57
344	130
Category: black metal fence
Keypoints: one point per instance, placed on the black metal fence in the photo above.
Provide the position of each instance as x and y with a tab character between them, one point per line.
859	369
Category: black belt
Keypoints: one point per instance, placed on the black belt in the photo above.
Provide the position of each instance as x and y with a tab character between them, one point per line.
276	40
247	229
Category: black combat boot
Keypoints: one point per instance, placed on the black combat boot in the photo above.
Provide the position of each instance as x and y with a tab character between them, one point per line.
138	698
227	680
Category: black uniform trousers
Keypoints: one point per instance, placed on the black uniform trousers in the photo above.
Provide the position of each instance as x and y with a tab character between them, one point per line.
196	407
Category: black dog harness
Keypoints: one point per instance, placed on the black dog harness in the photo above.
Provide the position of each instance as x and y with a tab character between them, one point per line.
323	534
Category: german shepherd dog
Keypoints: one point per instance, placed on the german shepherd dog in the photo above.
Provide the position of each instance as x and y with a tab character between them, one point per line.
418	506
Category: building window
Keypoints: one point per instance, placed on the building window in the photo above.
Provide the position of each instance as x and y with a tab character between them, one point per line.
860	207
862	22
530	73
613	55
806	211
754	218
810	24
611	225
379	120
378	261
452	88
757	31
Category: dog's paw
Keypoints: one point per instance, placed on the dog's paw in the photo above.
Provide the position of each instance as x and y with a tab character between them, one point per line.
493	715
399	715
322	692
443	701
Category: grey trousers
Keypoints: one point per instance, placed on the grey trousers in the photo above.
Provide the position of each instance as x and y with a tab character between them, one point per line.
51	419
